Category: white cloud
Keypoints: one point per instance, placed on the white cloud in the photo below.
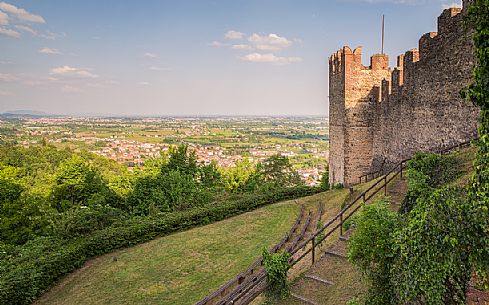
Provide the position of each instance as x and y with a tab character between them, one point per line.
5	62
52	35
270	42
8	77
218	44
72	72
49	51
155	68
9	32
20	13
3	18
242	47
6	93
234	35
454	4
150	55
27	29
402	2
270	58
70	89
143	83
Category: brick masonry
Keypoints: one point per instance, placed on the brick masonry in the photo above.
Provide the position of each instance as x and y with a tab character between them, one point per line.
379	116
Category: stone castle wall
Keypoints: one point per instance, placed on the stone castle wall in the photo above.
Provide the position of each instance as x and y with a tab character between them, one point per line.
380	116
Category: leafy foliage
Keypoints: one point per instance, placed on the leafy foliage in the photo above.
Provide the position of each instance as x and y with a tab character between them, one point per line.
58	208
277	171
75	182
370	248
426	172
277	265
324	183
432	250
478	93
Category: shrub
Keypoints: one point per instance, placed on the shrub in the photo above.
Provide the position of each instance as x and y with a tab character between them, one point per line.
426	172
277	265
370	249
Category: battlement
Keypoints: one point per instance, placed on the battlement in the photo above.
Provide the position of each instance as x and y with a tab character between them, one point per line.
446	20
379	115
345	56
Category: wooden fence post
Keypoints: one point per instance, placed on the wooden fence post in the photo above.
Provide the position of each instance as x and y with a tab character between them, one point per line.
313	249
341	224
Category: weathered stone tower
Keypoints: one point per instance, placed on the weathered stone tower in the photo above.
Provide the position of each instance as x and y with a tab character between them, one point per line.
380	116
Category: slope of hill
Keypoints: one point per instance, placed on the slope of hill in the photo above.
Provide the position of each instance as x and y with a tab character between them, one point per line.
334	280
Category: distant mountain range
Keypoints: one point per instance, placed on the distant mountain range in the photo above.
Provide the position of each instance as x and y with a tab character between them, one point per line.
35	113
24	113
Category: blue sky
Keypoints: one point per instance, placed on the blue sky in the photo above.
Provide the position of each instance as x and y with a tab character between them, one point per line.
201	57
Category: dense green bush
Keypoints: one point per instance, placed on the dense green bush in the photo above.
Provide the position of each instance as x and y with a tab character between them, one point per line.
83	220
277	265
427	172
433	249
370	248
28	270
478	93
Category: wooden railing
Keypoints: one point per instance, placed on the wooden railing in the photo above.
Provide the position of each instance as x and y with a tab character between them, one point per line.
253	285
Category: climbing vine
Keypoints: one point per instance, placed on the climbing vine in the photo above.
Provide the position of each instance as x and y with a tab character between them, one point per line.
478	93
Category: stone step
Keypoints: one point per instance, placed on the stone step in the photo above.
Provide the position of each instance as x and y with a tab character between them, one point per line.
317	278
303	299
334	253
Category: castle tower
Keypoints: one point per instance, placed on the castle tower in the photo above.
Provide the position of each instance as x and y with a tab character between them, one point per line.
354	91
379	117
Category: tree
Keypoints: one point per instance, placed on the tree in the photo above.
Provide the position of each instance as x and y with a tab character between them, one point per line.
237	178
182	160
21	215
210	176
75	182
167	191
324	183
277	171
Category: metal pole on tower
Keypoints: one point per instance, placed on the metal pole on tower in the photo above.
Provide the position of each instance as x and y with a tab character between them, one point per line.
382	34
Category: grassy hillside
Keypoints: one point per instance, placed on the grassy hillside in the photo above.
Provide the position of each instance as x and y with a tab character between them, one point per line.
348	281
184	267
180	268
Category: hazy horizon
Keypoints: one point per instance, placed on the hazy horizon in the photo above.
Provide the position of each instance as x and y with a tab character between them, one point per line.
191	58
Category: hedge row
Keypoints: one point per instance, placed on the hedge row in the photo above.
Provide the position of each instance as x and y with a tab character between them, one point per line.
28	270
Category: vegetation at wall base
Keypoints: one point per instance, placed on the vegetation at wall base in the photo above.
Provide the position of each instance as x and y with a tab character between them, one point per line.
478	93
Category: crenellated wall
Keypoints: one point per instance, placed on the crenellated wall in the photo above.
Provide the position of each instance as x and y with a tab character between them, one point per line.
379	116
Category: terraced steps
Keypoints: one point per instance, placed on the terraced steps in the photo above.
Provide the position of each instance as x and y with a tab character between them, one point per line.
333	280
